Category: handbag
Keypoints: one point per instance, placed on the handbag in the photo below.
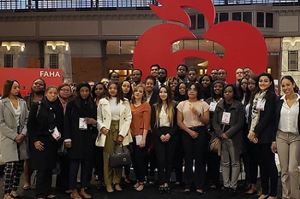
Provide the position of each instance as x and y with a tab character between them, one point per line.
215	145
120	157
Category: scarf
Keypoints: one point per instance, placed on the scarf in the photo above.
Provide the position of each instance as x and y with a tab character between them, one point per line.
255	113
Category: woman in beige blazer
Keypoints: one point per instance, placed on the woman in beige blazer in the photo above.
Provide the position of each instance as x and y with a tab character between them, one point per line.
13	132
113	121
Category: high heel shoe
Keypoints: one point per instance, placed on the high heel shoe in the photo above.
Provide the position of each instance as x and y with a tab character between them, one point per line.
75	195
262	196
109	189
161	189
7	196
118	187
167	189
140	187
251	191
84	194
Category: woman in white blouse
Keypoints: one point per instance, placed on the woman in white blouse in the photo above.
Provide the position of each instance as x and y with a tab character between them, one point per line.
288	138
163	128
13	132
113	118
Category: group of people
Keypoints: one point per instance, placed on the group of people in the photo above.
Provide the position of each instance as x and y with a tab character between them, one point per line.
167	123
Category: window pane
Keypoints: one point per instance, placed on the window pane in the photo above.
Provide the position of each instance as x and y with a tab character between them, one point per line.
206	45
269	20
293	60
193	22
237	16
113	47
223	17
201	22
8	60
260	19
191	44
53	61
247	17
127	47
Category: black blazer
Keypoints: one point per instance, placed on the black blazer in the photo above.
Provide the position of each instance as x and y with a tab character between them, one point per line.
154	97
265	129
40	121
279	104
83	141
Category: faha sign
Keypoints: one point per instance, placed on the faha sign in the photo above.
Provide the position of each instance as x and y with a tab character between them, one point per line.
27	75
244	45
50	74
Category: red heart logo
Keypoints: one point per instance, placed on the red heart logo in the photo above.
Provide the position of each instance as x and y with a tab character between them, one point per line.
244	45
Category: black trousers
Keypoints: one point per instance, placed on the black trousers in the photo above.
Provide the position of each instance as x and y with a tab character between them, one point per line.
43	182
86	170
164	155
62	180
138	161
251	161
150	159
98	162
195	149
268	170
178	158
213	168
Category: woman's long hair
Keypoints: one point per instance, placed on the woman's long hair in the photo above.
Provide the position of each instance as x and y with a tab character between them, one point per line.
94	89
271	88
205	91
170	106
177	96
7	88
119	91
291	79
129	94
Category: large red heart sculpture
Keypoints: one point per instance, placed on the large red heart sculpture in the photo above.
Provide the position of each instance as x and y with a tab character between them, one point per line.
244	45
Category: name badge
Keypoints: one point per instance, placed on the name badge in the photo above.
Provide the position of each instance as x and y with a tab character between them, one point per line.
226	118
56	134
212	106
82	124
138	139
261	104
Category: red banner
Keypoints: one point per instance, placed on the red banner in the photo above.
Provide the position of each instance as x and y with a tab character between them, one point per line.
26	76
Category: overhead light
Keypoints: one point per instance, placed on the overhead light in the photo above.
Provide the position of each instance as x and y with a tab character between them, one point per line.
8	45
131	51
201	71
54	44
205	63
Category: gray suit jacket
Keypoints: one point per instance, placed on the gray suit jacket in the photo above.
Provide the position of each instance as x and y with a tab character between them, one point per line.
9	149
